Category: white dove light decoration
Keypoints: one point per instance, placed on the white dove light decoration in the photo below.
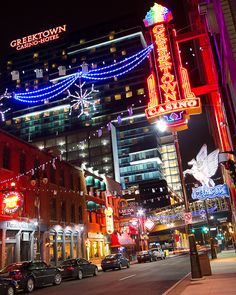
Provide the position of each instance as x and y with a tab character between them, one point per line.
204	167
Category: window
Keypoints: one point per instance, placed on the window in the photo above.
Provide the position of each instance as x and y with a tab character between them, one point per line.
129	94
140	91
63	210
52	175
71	182
62	178
53	209
127	88
72	213
80	214
107	99
22	163
117	96
6	157
123	52
113	49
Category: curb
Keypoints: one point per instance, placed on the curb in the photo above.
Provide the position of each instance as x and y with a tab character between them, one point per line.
176	284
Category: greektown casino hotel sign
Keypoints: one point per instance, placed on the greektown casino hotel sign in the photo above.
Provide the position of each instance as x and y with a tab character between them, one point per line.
38	38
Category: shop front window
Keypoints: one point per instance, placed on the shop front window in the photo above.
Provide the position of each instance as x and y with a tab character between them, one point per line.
52	248
68	246
75	246
95	249
59	247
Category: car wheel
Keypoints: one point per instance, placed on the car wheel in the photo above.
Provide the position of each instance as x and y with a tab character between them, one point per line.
95	271
57	279
10	290
29	285
79	275
128	265
120	266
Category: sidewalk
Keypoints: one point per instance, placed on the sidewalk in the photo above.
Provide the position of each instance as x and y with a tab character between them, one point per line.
222	281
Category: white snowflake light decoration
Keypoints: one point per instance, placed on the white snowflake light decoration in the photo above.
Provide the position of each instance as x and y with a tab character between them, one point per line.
82	99
2	113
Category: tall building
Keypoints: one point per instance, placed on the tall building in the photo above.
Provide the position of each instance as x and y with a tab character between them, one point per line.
111	134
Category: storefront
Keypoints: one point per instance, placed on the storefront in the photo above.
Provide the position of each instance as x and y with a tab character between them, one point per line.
97	246
17	241
63	243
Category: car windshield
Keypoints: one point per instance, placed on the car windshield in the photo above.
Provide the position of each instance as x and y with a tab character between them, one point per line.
112	256
15	266
69	262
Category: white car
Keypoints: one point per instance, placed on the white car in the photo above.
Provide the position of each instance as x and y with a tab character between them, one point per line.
158	253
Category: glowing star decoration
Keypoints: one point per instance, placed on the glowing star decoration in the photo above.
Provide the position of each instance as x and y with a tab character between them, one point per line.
170	95
12	201
204	167
157	14
81	100
2	113
109	220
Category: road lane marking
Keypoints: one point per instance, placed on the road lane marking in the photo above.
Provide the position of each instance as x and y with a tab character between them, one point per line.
125	278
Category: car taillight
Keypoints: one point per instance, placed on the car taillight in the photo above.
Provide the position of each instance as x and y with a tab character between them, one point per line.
17	275
70	268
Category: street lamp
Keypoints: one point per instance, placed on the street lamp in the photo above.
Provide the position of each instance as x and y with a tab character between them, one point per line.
194	258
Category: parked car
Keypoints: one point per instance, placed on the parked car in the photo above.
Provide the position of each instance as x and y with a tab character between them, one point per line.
77	268
114	261
7	286
31	274
147	255
159	253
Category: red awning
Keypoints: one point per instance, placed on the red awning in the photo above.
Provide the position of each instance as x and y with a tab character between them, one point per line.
114	241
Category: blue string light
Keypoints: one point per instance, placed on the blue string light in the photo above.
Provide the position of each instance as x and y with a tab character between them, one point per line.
103	73
141	57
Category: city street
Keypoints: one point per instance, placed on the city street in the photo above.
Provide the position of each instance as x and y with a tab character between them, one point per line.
146	278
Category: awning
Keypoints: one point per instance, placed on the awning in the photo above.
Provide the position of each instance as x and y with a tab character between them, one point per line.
97	183
102	186
89	180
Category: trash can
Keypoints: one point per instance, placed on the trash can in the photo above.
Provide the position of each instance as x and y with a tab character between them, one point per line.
205	264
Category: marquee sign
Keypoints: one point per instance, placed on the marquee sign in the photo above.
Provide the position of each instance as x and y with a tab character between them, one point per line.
170	96
109	220
204	192
12	202
38	38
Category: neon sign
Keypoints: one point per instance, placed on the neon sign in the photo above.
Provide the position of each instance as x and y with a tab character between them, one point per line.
109	220
169	89
12	201
38	38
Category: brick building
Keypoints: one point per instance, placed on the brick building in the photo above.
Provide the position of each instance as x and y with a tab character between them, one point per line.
48	208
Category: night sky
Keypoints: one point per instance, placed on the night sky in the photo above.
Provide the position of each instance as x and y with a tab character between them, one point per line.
22	18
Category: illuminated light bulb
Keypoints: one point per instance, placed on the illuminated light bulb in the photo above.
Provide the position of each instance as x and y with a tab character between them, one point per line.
161	125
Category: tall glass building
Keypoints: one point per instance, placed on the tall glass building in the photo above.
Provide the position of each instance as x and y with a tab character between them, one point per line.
112	135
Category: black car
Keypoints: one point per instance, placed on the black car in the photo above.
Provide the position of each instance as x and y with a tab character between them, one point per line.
113	261
7	286
78	268
144	256
31	274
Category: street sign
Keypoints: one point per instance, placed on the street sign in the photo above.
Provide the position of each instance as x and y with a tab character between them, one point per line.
188	217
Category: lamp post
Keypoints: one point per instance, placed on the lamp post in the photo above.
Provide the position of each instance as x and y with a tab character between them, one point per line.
194	258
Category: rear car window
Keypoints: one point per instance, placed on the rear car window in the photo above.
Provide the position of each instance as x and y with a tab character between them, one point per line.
16	266
68	262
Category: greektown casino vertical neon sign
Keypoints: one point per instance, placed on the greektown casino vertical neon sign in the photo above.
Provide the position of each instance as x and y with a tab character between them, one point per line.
170	95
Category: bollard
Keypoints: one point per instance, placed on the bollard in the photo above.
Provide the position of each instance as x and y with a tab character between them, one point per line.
194	259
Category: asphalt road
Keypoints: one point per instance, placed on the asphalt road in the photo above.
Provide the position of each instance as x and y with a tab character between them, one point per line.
146	278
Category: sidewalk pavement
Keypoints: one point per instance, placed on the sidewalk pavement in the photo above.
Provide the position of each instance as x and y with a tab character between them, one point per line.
222	281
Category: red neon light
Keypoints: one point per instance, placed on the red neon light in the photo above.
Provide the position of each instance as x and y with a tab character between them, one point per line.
152	91
12	201
173	97
168	83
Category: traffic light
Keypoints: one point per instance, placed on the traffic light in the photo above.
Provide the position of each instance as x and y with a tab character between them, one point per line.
205	229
